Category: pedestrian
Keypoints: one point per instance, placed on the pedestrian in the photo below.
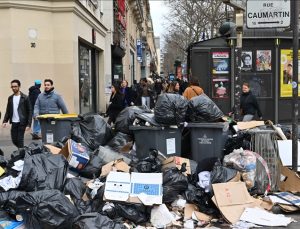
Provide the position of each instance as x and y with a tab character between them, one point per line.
126	91
248	104
49	102
116	104
18	113
33	94
145	94
173	87
193	89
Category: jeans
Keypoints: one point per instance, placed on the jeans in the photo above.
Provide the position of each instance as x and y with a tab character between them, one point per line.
146	101
17	134
36	128
247	117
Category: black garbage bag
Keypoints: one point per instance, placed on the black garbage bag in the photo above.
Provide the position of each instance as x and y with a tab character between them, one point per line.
149	164
174	183
46	209
170	109
241	140
137	213
221	174
10	195
91	131
83	206
75	188
1	152
118	142
3	161
95	220
147	117
127	117
202	109
43	171
93	167
197	195
61	143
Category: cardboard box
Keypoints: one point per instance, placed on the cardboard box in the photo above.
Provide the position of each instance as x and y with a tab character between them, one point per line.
232	198
53	149
249	125
76	154
134	187
117	165
172	162
290	181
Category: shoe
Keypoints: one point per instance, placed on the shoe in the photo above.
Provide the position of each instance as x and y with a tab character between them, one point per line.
36	136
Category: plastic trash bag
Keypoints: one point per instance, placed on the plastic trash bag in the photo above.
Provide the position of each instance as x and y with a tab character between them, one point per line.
75	188
137	213
108	155
170	109
119	141
96	221
202	109
127	117
241	140
221	174
43	171
174	183
149	164
244	161
91	131
147	118
93	167
46	209
10	195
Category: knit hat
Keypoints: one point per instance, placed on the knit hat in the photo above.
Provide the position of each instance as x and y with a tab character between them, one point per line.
38	82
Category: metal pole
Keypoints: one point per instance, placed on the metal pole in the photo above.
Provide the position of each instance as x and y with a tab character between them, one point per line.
237	77
295	26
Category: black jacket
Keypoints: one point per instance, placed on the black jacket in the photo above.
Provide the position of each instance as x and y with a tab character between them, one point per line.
116	105
34	92
249	104
24	110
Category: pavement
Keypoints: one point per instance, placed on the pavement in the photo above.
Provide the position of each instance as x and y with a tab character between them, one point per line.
7	147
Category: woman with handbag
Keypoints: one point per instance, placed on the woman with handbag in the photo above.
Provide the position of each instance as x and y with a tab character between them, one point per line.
116	104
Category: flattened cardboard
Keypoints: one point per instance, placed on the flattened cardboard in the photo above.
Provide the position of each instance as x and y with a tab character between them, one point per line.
232	198
188	210
118	165
177	162
202	216
134	187
76	154
290	181
249	125
53	149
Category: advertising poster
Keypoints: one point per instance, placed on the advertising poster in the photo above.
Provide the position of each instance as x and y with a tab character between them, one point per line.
246	61
220	88
263	60
286	72
220	62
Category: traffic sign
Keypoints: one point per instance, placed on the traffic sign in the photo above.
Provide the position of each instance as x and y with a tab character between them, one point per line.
268	13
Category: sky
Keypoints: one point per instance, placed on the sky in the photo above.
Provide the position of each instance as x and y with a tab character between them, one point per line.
158	9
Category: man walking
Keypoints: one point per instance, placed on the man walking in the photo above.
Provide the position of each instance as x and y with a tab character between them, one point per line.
18	113
34	92
49	102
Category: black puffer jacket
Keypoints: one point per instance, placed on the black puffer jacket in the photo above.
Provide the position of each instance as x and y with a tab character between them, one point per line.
249	104
34	92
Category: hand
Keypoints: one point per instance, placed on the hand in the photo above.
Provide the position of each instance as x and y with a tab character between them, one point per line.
4	124
27	128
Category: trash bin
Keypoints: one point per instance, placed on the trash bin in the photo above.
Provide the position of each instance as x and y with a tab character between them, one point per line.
56	126
165	139
207	142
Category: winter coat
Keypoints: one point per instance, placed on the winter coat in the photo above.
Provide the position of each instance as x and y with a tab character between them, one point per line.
49	103
116	105
249	104
24	110
34	92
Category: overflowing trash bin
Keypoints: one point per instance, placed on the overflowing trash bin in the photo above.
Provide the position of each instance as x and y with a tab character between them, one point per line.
165	139
56	126
207	141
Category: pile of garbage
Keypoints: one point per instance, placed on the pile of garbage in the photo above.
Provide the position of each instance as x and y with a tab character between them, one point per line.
96	179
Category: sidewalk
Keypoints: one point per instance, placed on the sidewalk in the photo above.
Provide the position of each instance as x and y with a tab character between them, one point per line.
6	144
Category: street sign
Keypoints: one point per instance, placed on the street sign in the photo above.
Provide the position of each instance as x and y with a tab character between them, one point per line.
268	13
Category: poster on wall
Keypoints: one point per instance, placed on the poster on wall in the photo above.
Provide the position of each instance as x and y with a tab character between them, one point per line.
220	62
220	88
286	72
263	60
246	61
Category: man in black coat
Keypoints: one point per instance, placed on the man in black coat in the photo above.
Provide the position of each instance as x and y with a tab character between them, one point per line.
34	92
18	113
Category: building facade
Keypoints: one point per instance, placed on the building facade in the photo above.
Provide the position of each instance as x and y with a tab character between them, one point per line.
65	40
